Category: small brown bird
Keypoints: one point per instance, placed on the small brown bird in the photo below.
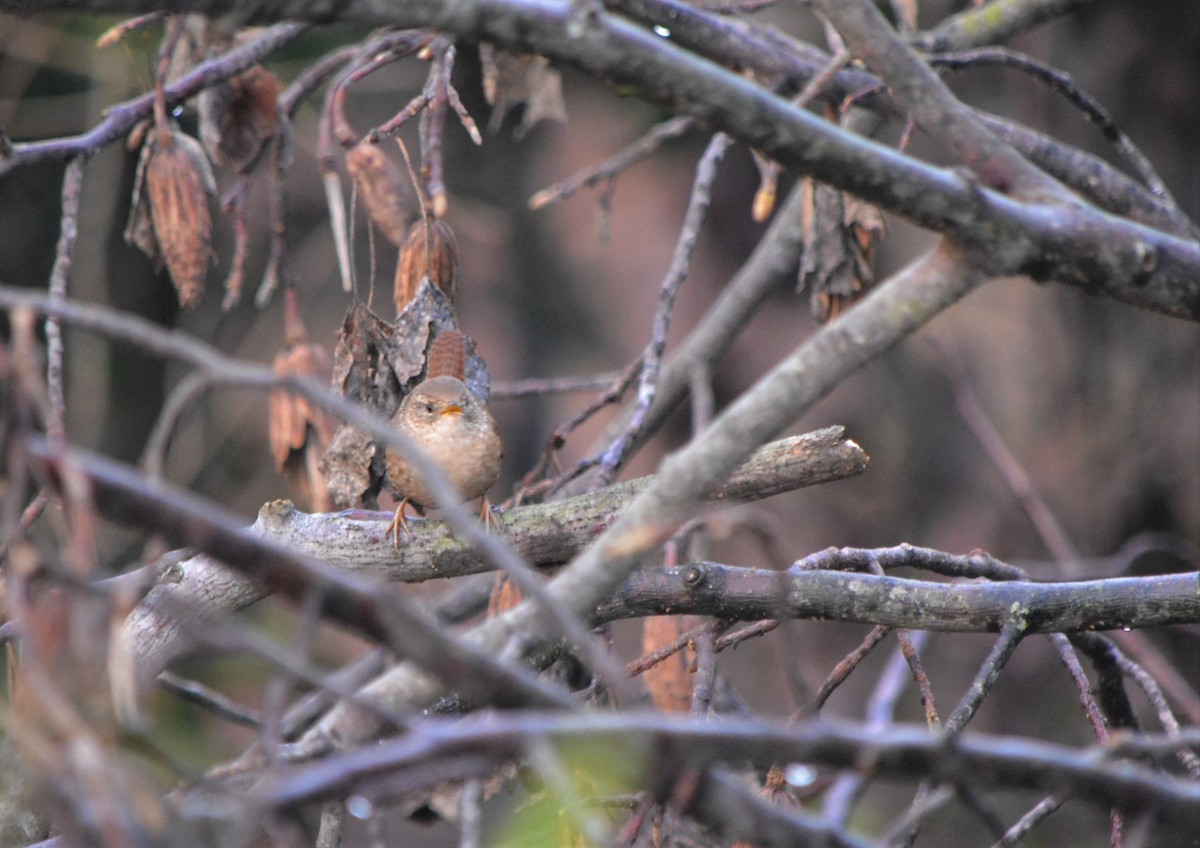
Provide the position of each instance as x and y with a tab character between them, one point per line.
453	426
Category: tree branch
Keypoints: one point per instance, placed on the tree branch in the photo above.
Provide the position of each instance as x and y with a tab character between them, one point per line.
970	759
1076	245
747	594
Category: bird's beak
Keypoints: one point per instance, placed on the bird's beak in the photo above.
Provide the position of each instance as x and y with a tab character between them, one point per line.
452	409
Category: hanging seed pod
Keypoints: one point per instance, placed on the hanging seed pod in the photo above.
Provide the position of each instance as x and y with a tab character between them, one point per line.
179	185
429	250
381	190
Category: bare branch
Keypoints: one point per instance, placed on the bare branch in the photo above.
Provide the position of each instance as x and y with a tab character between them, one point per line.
393	768
707	588
120	118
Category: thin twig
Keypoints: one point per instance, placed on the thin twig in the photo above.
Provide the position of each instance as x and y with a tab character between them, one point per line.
119	119
1010	469
532	386
706	668
841	671
608	170
615	455
210	699
72	188
1036	815
189	390
879	715
1062	83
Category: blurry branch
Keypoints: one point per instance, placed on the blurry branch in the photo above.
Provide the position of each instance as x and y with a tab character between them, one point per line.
63	256
119	119
747	594
1010	469
991	22
392	768
356	601
515	389
210	699
721	801
608	170
544	534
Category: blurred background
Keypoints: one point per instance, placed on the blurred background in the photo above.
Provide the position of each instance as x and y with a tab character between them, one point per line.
1098	403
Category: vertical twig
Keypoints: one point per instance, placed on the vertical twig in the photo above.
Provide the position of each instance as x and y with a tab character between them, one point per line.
614	456
72	188
881	707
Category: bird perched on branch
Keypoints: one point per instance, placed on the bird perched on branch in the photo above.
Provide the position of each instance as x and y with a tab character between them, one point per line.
454	427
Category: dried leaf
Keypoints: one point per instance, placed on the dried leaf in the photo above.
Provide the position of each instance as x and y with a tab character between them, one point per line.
238	117
505	596
381	189
300	432
180	185
510	81
430	250
768	188
840	235
139	229
669	682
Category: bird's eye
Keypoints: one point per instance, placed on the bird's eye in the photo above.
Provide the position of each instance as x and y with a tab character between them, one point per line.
428	407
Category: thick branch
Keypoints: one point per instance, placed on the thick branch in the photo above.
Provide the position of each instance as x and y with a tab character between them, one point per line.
792	64
550	533
748	594
929	101
1079	246
543	534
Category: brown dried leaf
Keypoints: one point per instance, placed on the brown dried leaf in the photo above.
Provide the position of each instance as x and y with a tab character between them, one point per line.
510	81
179	185
239	117
139	229
505	596
669	682
430	250
768	188
300	432
840	235
383	192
